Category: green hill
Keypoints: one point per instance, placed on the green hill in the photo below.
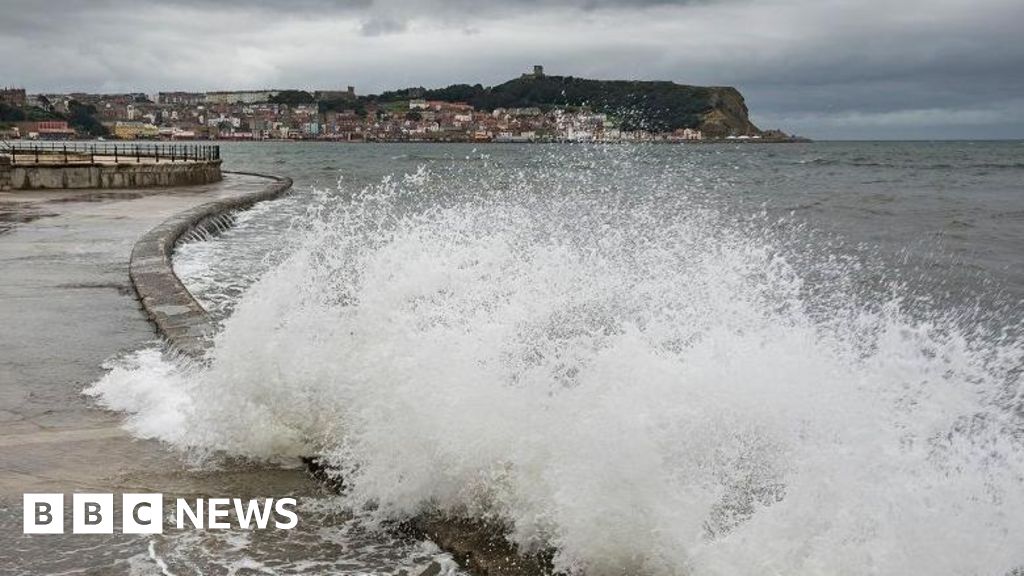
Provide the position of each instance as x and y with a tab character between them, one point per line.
660	105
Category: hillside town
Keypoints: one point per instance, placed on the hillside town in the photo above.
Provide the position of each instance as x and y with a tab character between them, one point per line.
330	115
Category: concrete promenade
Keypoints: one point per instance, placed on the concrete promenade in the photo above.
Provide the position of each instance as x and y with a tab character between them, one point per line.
66	306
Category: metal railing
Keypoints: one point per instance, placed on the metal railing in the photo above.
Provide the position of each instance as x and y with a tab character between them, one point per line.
93	153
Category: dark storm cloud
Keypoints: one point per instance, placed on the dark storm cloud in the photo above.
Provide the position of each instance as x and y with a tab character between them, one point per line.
827	68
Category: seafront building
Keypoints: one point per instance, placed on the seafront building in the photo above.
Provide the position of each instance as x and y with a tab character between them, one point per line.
135	130
53	130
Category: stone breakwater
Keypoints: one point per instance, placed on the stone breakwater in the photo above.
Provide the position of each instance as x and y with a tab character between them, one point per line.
107	175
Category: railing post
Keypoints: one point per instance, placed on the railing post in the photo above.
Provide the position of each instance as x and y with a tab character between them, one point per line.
115	153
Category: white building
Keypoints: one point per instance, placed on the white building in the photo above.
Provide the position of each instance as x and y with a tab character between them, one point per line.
243	96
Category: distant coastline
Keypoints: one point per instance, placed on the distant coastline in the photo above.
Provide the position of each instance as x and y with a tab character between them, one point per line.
534	108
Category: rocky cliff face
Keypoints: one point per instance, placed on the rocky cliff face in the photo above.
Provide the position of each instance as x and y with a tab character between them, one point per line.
727	115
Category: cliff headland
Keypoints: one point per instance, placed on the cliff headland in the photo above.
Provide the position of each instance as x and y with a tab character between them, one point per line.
534	107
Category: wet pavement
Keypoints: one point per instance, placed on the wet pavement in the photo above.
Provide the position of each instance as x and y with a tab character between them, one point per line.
66	306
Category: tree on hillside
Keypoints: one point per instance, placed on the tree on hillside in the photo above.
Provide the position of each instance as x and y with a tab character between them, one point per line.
292	97
640	105
82	117
339	104
11	113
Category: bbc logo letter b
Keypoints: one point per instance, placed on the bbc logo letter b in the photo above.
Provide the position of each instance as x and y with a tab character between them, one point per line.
92	514
44	513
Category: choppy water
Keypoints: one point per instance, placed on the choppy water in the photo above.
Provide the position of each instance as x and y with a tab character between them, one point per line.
796	359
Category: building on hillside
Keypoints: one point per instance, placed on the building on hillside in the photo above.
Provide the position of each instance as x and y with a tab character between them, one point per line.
12	96
242	96
349	94
181	98
39	101
538	72
112	99
52	102
531	111
450	107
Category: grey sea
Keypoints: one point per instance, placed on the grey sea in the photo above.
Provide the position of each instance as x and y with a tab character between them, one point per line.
800	358
949	215
659	359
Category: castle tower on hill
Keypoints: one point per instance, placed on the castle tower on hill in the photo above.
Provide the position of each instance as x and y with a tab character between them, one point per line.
538	72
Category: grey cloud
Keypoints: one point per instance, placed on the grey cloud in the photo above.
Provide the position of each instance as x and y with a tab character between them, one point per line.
829	67
379	26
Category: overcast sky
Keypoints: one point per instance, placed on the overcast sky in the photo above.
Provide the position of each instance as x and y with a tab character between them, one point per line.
821	68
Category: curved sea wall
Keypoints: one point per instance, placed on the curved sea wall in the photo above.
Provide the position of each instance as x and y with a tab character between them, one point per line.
114	175
178	316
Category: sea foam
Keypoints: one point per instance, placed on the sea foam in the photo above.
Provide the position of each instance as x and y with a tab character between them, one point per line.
592	350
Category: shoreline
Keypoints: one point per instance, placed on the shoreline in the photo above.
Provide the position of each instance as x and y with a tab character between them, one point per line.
474	142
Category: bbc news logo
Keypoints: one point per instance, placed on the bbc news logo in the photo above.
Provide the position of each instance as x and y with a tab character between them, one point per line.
144	513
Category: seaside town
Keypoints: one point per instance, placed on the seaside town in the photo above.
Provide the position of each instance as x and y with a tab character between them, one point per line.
327	115
297	115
